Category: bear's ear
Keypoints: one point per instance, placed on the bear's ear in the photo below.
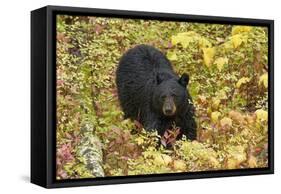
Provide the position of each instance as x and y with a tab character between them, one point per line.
184	79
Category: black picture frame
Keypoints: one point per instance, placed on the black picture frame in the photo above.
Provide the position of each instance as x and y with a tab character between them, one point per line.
43	96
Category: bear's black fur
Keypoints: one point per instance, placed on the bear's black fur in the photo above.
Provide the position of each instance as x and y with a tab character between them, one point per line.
151	92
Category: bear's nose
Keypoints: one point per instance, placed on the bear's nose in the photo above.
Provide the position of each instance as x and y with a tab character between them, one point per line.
168	111
169	107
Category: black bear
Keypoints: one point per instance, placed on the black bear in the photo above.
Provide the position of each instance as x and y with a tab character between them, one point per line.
152	93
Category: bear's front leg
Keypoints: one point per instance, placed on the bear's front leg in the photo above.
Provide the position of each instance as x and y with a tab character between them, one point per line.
190	133
153	122
188	127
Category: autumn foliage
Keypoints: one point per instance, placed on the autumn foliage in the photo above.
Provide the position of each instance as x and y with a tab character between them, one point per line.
228	70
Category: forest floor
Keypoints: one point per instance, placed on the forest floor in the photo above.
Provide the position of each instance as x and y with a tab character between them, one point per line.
228	70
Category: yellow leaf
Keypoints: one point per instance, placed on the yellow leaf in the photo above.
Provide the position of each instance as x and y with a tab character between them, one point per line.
215	103
204	43
214	161
158	160
236	156
238	153
264	80
228	45
215	116
222	95
184	39
162	159
208	55
220	62
241	81
252	162
240	29
172	56
262	115
226	122
167	159
237	40
232	163
179	165
139	140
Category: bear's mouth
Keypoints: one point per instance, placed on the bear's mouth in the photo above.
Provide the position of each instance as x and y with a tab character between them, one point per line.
169	113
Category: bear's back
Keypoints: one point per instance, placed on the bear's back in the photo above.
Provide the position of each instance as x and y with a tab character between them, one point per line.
136	76
143	61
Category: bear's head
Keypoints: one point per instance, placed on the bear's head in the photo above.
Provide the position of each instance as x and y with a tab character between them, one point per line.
170	95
